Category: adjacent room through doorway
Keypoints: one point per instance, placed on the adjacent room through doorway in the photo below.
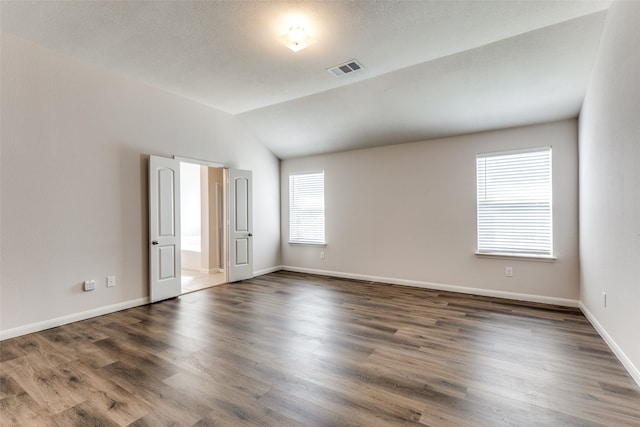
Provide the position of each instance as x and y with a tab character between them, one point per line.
202	226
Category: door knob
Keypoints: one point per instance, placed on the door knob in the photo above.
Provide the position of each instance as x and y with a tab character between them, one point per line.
250	234
154	242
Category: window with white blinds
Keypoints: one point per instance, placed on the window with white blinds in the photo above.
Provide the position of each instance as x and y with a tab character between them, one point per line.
514	203
306	208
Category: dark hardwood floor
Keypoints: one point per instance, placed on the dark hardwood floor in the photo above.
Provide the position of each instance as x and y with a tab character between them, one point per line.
293	349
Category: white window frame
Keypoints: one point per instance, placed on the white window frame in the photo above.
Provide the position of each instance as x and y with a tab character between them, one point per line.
306	208
515	203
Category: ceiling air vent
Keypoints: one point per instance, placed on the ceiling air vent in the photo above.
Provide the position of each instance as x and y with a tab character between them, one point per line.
346	68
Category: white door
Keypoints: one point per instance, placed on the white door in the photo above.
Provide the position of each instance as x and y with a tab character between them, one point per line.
240	225
164	228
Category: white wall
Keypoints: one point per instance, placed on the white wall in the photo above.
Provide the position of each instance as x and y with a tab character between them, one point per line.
408	212
75	144
190	195
610	186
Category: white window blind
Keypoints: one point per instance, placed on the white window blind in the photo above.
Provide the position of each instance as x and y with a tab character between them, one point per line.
514	203
306	208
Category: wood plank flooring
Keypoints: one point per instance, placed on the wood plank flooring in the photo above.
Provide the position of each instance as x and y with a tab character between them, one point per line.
288	349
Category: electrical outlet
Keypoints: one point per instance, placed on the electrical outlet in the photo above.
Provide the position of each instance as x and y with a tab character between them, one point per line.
322	255
508	271
604	299
111	281
89	285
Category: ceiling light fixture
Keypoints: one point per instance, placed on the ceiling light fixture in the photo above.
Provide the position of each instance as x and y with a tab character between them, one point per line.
296	38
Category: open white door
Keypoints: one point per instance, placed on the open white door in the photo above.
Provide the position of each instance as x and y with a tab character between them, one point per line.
164	228
240	225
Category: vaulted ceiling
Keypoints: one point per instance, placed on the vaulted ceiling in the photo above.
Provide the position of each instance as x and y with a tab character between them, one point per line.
432	68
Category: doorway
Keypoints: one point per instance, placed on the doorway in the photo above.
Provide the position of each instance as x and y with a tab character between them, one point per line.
234	244
203	249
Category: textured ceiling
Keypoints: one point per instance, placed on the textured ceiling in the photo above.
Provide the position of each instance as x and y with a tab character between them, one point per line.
433	68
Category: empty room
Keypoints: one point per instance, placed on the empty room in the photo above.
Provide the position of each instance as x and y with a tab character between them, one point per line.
320	213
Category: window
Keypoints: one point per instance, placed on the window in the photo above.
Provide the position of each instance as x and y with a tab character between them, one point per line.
306	208
514	203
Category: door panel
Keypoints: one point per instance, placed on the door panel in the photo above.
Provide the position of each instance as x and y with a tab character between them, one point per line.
164	228
241	204
240	225
166	217
167	262
242	251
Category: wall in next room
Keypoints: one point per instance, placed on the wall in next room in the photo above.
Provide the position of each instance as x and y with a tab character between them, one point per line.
408	213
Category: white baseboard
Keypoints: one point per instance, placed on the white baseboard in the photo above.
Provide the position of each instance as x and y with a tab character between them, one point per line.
211	270
267	270
441	287
59	321
626	362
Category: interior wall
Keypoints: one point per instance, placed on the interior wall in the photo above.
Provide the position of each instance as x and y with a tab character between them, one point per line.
610	186
408	212
75	146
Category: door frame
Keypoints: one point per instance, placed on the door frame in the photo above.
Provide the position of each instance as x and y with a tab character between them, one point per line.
227	173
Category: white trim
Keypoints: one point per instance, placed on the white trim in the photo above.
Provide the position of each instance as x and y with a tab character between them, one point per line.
267	270
441	287
209	270
626	362
535	149
307	172
303	243
528	257
59	321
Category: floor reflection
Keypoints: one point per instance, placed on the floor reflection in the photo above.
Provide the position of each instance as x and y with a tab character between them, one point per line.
193	280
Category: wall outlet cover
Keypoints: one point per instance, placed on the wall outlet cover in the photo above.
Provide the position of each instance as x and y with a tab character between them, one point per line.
89	285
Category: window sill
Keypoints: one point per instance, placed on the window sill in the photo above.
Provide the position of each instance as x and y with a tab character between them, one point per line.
307	244
537	258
